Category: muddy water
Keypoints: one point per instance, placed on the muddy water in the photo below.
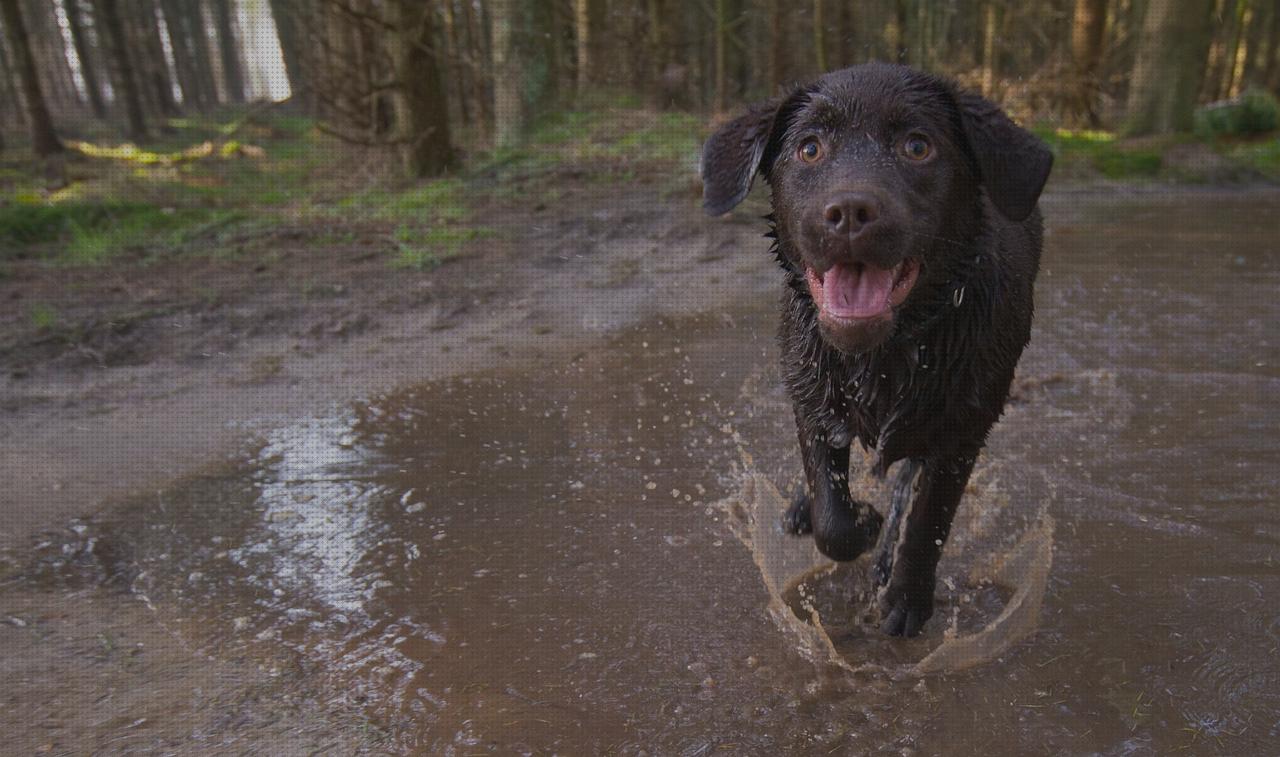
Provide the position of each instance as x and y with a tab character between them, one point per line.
578	558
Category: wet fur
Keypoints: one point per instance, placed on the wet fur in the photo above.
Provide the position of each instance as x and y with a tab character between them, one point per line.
929	393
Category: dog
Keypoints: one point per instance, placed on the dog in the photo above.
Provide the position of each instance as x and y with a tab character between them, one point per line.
905	219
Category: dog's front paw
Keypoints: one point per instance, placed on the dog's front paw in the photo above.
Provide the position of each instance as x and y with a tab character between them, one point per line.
796	520
904	608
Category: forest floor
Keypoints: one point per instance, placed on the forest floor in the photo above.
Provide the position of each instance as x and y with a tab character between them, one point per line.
158	306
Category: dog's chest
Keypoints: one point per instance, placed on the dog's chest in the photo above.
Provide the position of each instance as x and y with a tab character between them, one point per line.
886	401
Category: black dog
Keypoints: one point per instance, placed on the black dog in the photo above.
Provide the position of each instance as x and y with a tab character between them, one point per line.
904	215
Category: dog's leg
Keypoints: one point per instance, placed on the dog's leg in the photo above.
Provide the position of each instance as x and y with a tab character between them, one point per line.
907	601
843	528
883	567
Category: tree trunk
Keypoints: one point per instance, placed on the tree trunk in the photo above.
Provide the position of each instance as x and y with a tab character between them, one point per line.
656	44
201	50
1258	45
819	38
44	140
284	14
1088	27
14	114
989	24
509	115
451	61
478	60
545	20
88	66
1269	75
777	46
48	50
178	23
1238	51
1170	66
112	34
421	106
582	34
848	35
229	51
897	36
721	53
150	54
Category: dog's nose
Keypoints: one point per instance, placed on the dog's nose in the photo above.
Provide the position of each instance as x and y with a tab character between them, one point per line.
850	213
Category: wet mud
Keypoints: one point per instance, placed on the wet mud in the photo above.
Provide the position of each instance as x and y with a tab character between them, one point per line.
582	556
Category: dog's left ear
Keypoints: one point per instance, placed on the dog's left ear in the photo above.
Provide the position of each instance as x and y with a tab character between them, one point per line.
732	155
1014	164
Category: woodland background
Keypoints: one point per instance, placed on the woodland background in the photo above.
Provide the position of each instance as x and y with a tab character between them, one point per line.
433	80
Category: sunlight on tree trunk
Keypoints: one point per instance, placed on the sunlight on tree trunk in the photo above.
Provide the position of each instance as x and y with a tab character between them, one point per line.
88	66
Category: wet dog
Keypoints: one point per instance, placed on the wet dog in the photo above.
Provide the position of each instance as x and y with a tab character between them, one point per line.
905	219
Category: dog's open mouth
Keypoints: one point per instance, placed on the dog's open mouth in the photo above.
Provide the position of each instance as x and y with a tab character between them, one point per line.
856	291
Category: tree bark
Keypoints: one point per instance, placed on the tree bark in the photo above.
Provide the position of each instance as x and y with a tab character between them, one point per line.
509	115
14	114
452	61
777	47
1240	49
848	35
48	49
1088	27
1269	75
1170	66
989	24
44	140
421	105
201	50
150	57
284	14
112	32
1258	45
897	36
721	53
478	60
582	34
819	37
178	23
229	51
88	65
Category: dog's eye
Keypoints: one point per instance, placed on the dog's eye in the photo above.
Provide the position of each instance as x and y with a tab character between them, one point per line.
810	150
917	147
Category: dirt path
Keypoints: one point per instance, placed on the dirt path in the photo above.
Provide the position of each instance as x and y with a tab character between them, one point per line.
169	369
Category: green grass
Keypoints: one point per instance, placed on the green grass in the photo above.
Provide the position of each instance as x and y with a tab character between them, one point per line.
1264	156
1100	152
212	176
674	137
43	317
92	233
439	200
424	249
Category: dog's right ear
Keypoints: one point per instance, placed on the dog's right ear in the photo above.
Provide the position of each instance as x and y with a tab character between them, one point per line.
731	157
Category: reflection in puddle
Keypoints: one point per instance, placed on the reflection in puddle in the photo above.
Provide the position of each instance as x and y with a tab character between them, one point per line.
315	496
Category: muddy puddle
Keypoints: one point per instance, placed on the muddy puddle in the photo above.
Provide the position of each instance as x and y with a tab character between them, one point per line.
583	557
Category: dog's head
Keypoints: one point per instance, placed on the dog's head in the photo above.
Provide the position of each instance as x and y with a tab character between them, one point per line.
875	172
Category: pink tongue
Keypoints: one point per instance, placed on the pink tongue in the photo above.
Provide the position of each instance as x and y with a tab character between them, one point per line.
856	291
